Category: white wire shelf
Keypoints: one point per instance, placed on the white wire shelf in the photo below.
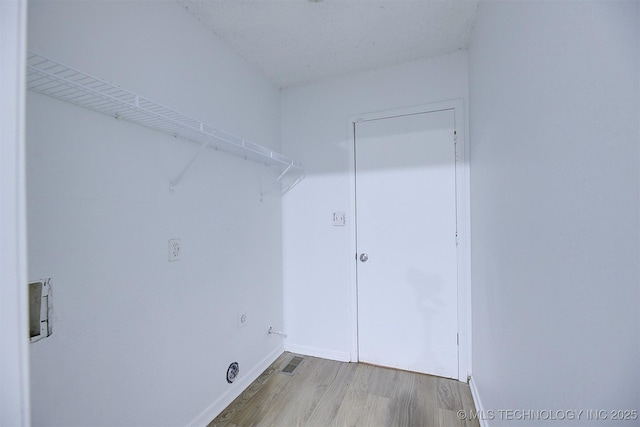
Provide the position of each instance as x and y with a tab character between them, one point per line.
60	81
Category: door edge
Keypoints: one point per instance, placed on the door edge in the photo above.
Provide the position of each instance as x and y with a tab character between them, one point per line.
463	215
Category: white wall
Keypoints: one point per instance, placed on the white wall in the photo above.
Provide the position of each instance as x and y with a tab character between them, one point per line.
14	350
317	256
138	340
554	121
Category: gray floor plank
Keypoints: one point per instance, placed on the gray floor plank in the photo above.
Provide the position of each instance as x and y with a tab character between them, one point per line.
424	401
329	405
468	406
328	393
449	395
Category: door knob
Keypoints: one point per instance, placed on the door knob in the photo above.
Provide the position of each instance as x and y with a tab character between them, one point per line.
364	257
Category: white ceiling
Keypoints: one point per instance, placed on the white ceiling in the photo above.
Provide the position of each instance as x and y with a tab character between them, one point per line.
296	42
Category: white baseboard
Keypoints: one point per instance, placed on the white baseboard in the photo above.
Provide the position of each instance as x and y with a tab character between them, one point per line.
340	356
243	382
478	403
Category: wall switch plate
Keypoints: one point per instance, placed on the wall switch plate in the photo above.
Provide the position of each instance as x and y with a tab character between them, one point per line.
175	250
339	219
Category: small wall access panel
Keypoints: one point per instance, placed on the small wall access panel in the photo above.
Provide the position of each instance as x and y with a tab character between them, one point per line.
39	309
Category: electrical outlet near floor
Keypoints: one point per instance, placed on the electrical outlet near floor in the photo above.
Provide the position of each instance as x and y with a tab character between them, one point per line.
175	250
242	319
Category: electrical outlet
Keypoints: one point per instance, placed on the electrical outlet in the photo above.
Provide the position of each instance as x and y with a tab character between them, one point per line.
339	219
175	250
242	320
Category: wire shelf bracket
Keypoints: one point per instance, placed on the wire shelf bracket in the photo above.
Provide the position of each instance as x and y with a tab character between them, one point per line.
65	83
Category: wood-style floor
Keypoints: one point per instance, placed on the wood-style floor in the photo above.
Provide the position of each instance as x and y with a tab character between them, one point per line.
328	393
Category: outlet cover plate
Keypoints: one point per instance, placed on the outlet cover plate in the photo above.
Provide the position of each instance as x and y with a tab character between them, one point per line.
175	250
242	319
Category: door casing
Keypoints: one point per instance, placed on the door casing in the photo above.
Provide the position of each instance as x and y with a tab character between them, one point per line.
462	218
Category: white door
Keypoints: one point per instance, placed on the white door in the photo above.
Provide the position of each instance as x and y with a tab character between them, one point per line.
406	242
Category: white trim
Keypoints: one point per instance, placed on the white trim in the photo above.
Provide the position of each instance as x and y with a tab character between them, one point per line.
340	356
353	248
463	221
14	339
463	194
480	411
237	388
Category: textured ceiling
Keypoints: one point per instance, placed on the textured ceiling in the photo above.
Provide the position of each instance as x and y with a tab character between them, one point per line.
295	42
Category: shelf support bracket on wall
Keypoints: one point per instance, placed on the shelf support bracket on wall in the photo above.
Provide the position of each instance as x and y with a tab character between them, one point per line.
285	189
176	181
295	182
284	173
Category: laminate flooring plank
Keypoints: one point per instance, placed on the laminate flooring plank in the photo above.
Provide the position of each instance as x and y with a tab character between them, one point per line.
448	395
423	405
362	377
447	418
400	399
468	406
285	399
306	388
325	372
387	382
327	409
375	410
323	393
359	408
297	409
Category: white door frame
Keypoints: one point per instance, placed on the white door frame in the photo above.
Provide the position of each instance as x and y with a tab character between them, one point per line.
462	219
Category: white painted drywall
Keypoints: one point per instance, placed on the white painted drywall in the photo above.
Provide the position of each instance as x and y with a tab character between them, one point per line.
14	350
554	121
317	256
138	340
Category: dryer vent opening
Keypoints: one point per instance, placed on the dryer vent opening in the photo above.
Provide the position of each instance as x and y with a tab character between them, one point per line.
232	372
